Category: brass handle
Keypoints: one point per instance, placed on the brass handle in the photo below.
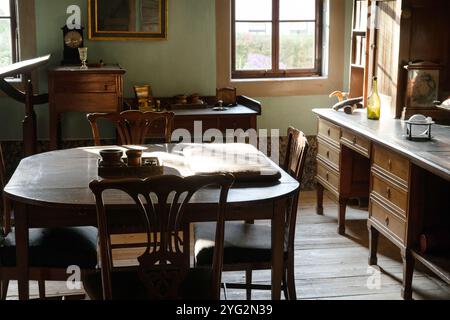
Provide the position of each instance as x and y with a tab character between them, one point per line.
388	193
387	221
390	164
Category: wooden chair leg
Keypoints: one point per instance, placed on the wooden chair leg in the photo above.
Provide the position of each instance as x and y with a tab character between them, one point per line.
248	283
4	284
41	286
7	217
292	294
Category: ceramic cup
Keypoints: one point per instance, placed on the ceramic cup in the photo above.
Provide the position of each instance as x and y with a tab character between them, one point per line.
111	158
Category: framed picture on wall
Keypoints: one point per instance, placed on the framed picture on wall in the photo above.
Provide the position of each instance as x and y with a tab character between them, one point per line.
423	84
127	19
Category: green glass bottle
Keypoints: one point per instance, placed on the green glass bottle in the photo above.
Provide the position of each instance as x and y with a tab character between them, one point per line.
373	102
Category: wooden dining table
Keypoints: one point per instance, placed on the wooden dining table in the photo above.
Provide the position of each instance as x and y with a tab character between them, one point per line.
51	190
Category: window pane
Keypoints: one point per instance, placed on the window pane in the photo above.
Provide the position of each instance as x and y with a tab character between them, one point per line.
5	43
4	8
253	46
254	10
297	45
297	9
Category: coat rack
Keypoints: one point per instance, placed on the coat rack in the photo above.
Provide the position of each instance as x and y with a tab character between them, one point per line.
27	97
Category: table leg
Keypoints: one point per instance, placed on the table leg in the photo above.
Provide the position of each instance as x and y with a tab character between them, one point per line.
408	272
319	207
373	246
278	221
21	223
341	217
55	131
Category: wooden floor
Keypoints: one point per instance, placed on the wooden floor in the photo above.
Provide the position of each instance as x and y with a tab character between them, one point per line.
328	266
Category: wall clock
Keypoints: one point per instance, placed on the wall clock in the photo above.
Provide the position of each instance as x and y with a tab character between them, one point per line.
73	39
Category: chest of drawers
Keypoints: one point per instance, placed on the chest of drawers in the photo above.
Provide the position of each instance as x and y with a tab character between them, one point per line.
75	90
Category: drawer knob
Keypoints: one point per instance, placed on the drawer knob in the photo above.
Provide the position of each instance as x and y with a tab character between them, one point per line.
388	193
327	176
354	140
106	87
329	132
390	164
328	154
387	221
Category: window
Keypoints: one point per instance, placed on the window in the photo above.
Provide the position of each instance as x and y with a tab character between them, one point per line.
8	29
276	38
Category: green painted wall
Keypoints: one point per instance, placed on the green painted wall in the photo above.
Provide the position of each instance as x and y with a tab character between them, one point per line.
185	63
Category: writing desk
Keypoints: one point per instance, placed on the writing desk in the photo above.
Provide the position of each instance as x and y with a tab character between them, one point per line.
407	182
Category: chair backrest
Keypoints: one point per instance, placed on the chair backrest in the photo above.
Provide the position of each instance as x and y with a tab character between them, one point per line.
132	125
161	203
296	153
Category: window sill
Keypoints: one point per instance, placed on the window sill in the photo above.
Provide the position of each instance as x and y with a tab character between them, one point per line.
274	87
296	79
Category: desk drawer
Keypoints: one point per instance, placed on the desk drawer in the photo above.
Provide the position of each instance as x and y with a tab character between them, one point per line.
86	84
395	197
328	154
86	102
356	142
393	164
328	177
329	132
388	219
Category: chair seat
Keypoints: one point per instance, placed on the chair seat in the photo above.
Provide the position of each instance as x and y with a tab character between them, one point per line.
54	248
126	285
243	243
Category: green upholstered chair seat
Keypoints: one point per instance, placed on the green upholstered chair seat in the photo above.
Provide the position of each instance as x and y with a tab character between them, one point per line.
244	243
126	285
55	248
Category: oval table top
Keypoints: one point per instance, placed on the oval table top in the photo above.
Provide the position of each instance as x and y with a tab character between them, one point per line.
61	179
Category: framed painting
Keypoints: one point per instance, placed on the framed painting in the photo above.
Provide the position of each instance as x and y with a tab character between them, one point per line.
127	19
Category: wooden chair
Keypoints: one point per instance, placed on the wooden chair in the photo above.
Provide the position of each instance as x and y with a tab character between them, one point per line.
133	126
164	270
247	247
51	251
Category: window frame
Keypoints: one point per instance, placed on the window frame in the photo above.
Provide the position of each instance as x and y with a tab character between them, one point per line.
14	30
276	72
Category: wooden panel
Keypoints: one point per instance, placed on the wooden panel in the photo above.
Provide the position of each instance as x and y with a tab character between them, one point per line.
86	102
328	177
356	142
394	196
328	154
188	123
392	164
329	132
390	222
234	123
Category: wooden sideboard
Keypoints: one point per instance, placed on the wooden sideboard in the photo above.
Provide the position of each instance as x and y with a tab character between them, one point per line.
92	90
407	182
242	116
